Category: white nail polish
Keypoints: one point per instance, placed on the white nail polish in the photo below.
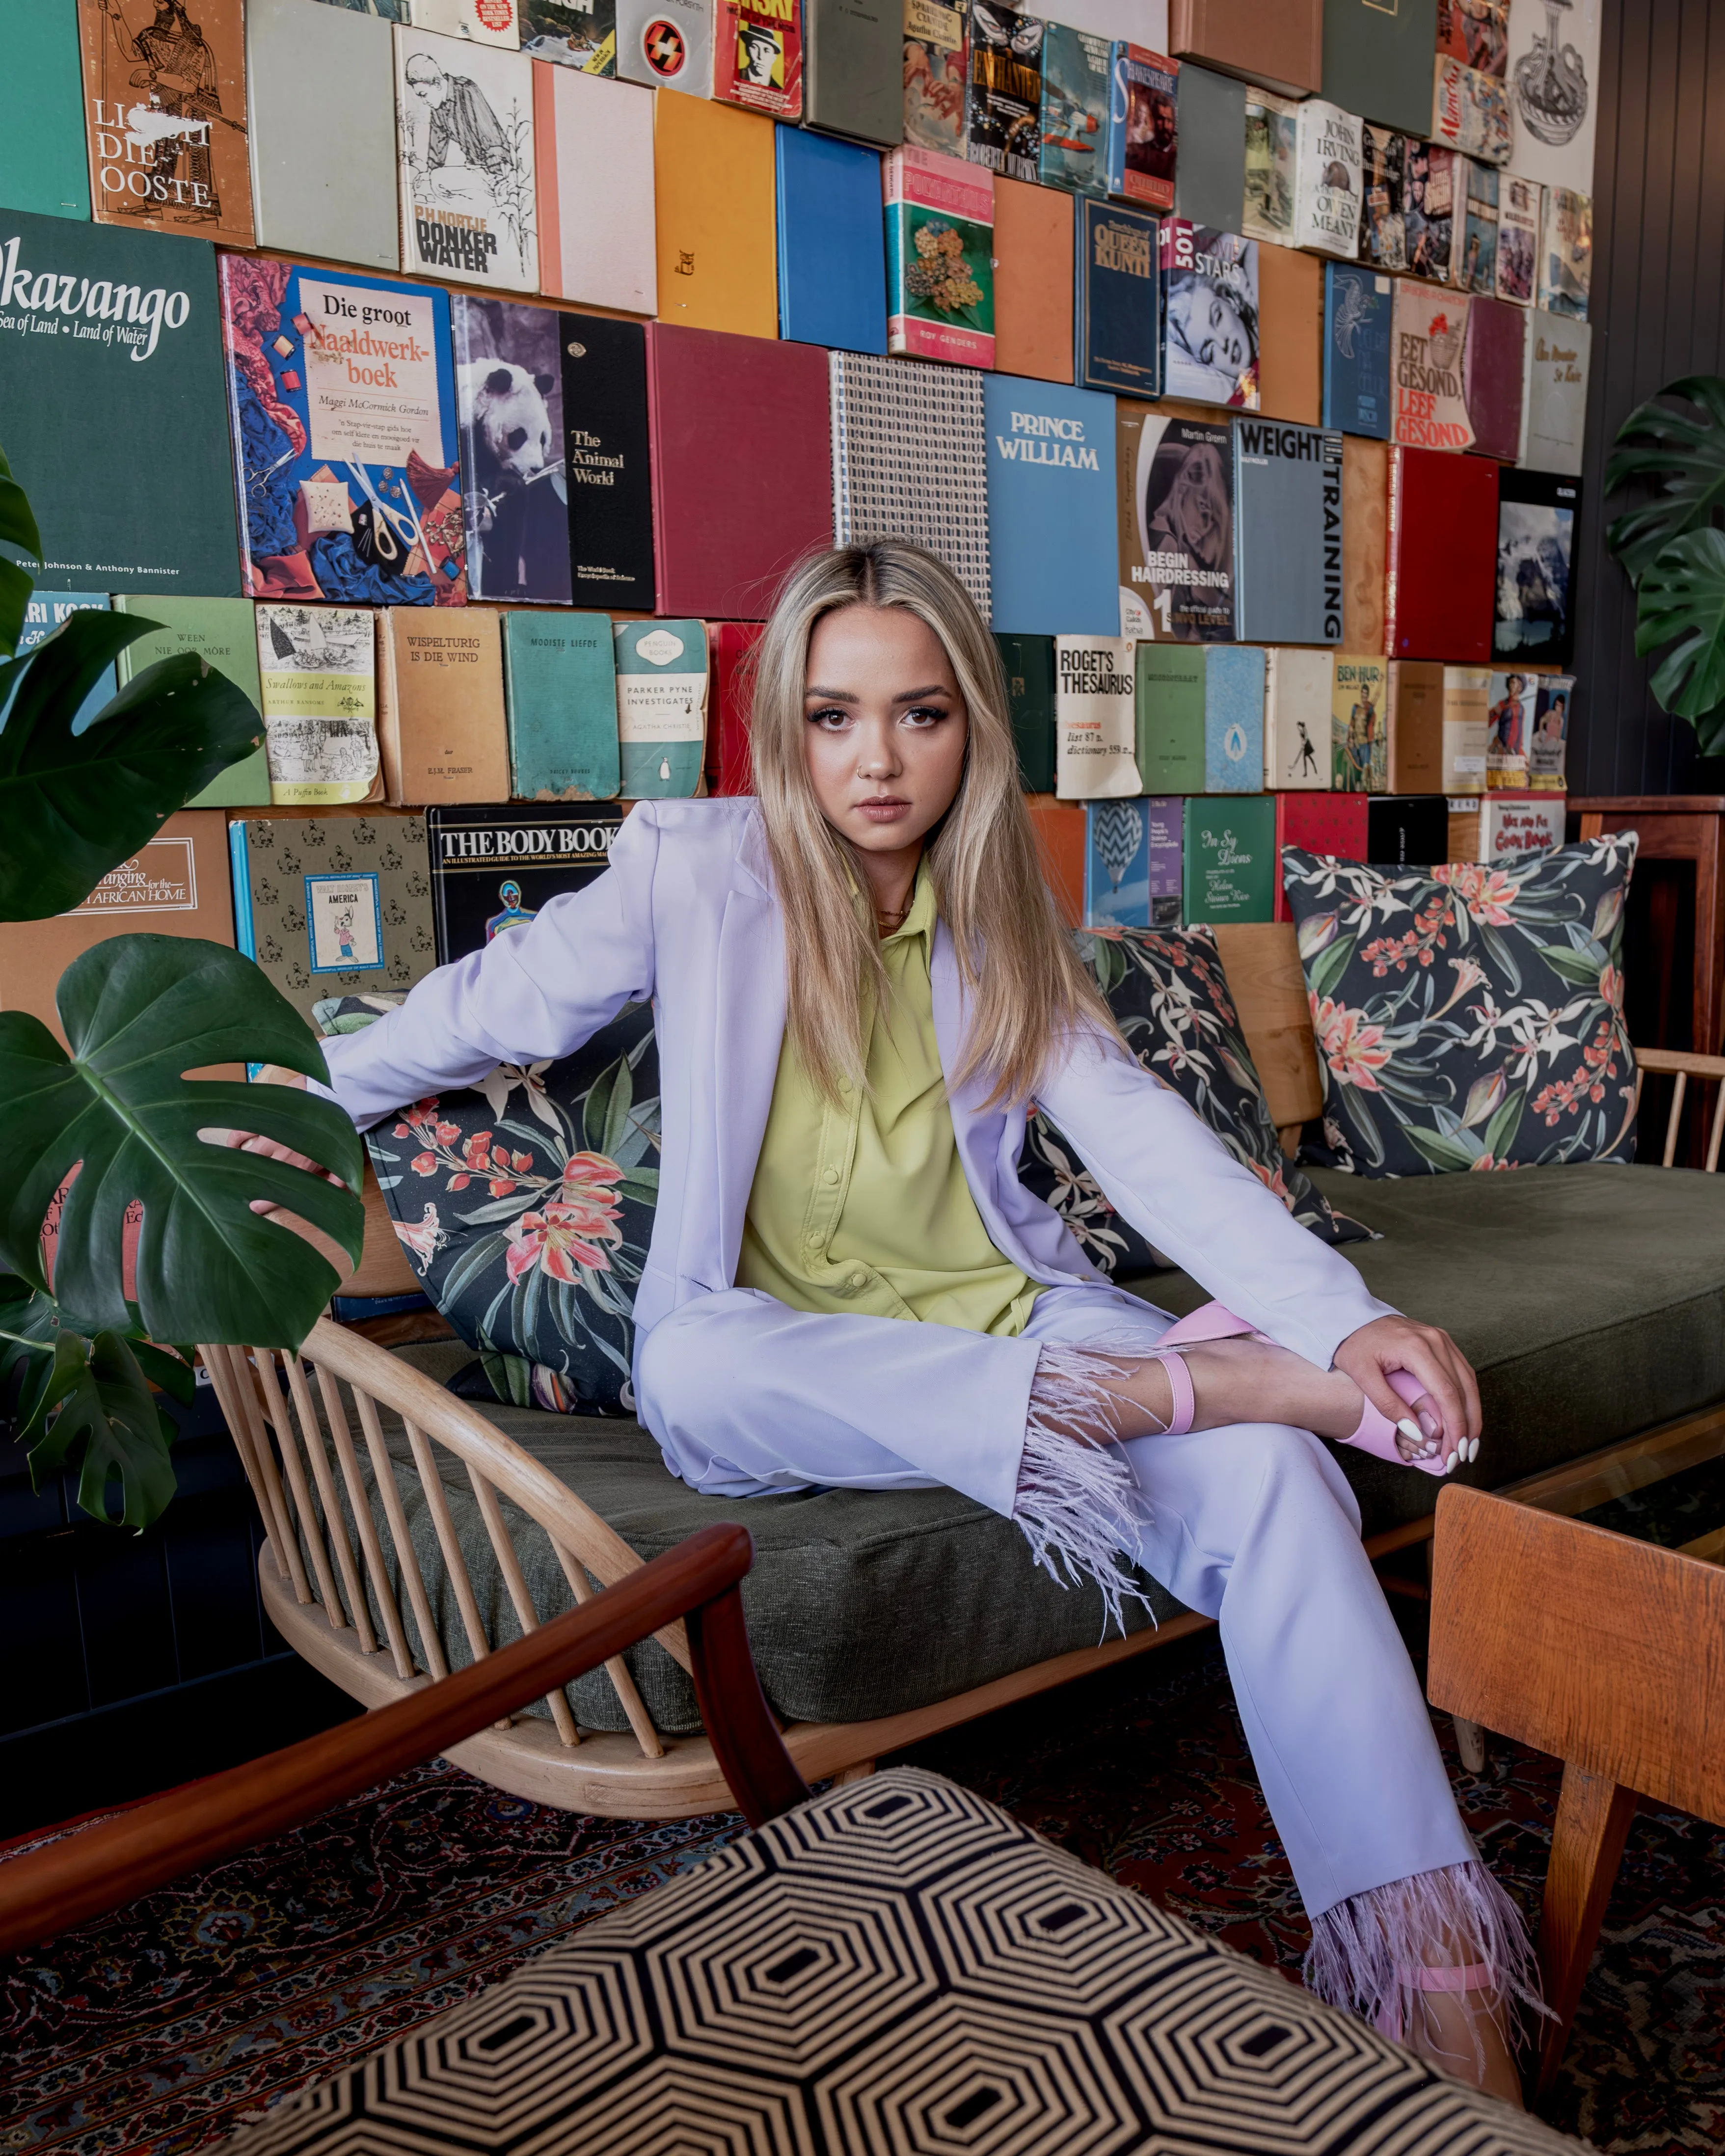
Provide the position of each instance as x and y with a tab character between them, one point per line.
1411	1430
1450	1464
1473	1448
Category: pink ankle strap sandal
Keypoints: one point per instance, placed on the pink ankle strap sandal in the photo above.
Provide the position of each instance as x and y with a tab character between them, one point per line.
1469	1976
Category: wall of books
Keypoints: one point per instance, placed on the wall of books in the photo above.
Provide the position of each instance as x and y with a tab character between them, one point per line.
460	376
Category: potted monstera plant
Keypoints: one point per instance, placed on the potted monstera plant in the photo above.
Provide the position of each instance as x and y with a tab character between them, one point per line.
113	1118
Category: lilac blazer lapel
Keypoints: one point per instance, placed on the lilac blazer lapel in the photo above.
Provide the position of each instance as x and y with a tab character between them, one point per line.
749	1032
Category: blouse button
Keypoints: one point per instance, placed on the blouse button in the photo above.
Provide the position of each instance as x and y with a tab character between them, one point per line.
829	1175
856	1281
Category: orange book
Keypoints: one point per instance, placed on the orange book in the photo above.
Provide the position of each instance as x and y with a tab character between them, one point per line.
1060	831
714	187
1033	280
1290	336
441	731
1365	536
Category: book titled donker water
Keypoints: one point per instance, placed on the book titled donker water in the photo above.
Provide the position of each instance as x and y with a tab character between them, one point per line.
494	865
940	272
1004	116
1287	532
1117	301
464	148
1174	522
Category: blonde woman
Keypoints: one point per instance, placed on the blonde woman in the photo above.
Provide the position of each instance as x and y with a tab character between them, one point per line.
859	983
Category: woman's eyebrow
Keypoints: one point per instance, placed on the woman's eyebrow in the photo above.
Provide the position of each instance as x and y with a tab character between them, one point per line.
850	696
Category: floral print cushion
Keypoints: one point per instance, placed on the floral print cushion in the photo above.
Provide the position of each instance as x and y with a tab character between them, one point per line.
1469	1017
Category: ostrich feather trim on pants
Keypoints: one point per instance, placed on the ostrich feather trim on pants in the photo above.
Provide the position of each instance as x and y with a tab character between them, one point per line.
1077	1501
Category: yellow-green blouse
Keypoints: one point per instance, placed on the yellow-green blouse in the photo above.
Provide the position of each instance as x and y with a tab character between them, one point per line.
864	1207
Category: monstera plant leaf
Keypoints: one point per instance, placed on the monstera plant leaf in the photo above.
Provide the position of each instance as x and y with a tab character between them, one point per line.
73	806
139	1011
17	528
1682	456
1681	597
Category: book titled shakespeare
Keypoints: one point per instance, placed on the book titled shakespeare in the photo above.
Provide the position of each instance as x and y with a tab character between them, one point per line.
1359	732
318	669
1175	507
1143	127
940	257
465	147
1095	729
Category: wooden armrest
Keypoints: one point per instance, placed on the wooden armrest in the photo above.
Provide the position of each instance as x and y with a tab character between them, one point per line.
101	1867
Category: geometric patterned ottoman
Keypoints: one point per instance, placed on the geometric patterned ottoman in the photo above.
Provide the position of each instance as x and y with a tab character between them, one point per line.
896	1968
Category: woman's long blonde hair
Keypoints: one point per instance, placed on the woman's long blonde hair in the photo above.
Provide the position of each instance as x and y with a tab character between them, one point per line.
1023	980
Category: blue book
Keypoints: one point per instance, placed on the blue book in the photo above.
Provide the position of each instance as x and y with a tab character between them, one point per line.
1116	865
44	613
1357	311
1053	560
1287	532
1233	718
832	243
1117	301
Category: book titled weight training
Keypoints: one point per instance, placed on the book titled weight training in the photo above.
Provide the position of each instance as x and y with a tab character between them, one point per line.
1272	139
1077	66
317	668
1554	393
937	75
1231	859
1170	713
1174	519
910	459
1094	725
559	694
939	273
1233	718
1117	298
322	129
1536	566
758	56
666	44
1003	117
1297	689
1209	314
661	708
853	69
1327	179
224	635
1143	127
1516	270
1359	745
1430	331
1287	533
1358	305
441	733
509	399
493	865
464	116
1050	494
573	34
1028	664
1384	197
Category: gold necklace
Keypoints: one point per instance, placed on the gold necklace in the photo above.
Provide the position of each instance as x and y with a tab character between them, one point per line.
889	921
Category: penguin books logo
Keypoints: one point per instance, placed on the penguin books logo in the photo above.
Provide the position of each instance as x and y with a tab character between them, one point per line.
665	48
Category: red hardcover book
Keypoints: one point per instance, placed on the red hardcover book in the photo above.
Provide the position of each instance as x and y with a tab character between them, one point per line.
728	769
742	467
758	55
1441	594
1391	830
1491	375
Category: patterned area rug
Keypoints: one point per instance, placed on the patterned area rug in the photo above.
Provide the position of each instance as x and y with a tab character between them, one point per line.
161	2030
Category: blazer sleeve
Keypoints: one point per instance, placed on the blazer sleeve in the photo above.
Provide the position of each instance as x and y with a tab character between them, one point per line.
532	995
1172	1176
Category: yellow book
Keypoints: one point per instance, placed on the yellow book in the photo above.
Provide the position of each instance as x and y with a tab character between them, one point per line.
1359	737
714	208
441	724
317	666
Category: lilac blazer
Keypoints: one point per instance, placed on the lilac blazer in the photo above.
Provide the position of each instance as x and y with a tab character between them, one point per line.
686	914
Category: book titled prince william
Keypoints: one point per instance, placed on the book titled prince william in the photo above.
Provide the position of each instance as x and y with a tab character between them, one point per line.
342	396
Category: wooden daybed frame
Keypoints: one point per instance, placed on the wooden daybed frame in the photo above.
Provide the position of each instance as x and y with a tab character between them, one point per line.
321	1608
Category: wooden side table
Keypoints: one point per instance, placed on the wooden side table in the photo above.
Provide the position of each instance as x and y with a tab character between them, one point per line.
1680	827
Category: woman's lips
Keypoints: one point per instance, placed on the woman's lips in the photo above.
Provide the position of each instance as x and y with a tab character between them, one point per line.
886	808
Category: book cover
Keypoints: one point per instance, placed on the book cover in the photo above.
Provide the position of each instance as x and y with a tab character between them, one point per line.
940	274
1470	111
317	668
1359	747
1297	689
493	22
560	694
1118	300
832	252
714	210
666	44
1384	197
1143	127
164	116
1408	831
853	69
1536	566
1515	268
1231	859
322	133
1058	829
1290	336
1329	169
1357	317
661	708
1166	816
1276	42
1547	746
341	397
1209	179
1170	714
605	455
1473	238
937	75
1553	80
593	150
1365	541
1174	518
758	56
1429	217
1465	699
43	166
1566	252
1272	138
1430	403
1378	60
1028	664
1287	533
1116	865
224	635
492	867
514	496
1475	33
1510	700
109	347
1234	718
1095	728
44	613
729	766
333	905
1512	826
1493	363
573	34
464	116
1554	393
441	731
1416	757
1004	106
1050	496
1439	592
1210	316
1077	67
1033	281
911	459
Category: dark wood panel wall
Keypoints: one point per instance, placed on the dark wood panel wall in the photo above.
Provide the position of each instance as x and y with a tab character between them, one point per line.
1658	311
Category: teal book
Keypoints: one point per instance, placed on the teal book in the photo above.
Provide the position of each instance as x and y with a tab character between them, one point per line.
43	614
1171	700
1233	718
223	633
1029	664
1076	72
661	708
560	691
1231	859
43	164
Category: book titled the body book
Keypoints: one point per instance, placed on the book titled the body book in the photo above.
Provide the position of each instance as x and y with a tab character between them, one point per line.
1118	300
1231	859
494	865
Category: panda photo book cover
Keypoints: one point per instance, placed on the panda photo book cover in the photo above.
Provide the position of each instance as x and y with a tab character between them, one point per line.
509	392
342	391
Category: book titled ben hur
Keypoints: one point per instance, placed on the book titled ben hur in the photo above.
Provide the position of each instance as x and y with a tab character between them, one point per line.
1174	511
494	865
661	707
940	276
1004	113
318	670
464	116
1095	723
1359	730
440	727
758	55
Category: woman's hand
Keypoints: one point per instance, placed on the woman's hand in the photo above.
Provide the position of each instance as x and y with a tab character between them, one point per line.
272	1074
1427	1353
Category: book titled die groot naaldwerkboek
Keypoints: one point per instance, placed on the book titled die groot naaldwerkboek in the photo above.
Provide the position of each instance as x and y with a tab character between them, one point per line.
661	707
464	116
317	668
1094	730
940	274
223	633
560	681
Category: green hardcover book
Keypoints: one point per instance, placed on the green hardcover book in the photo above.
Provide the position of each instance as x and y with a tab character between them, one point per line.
560	686
43	164
1378	60
224	633
1170	681
1029	663
661	708
1230	858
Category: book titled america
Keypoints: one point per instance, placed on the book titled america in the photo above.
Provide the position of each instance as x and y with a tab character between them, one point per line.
1209	314
1051	499
832	260
661	708
322	133
1273	139
1358	314
1287	533
940	272
1118	299
1095	727
493	865
594	150
1327	179
1440	591
1143	127
1566	252
1536	566
1004	114
853	69
1174	522
581	34
1516	270
560	689
509	399
758	56
1297	688
666	44
224	635
341	395
1384	199
911	459
937	75
1077	66
1430	331
464	117
1028	664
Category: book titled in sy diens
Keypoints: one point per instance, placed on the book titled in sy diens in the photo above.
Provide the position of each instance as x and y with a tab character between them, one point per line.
1297	689
1359	748
317	668
1077	66
937	75
666	44
1170	714
1033	281
441	731
853	69
1430	331
322	130
1174	519
1095	727
1358	315
758	56
1143	127
661	707
593	169
1233	718
224	635
1003	123
1118	299
1326	195
939	273
494	865
1230	859
464	117
714	183
1051	498
559	691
